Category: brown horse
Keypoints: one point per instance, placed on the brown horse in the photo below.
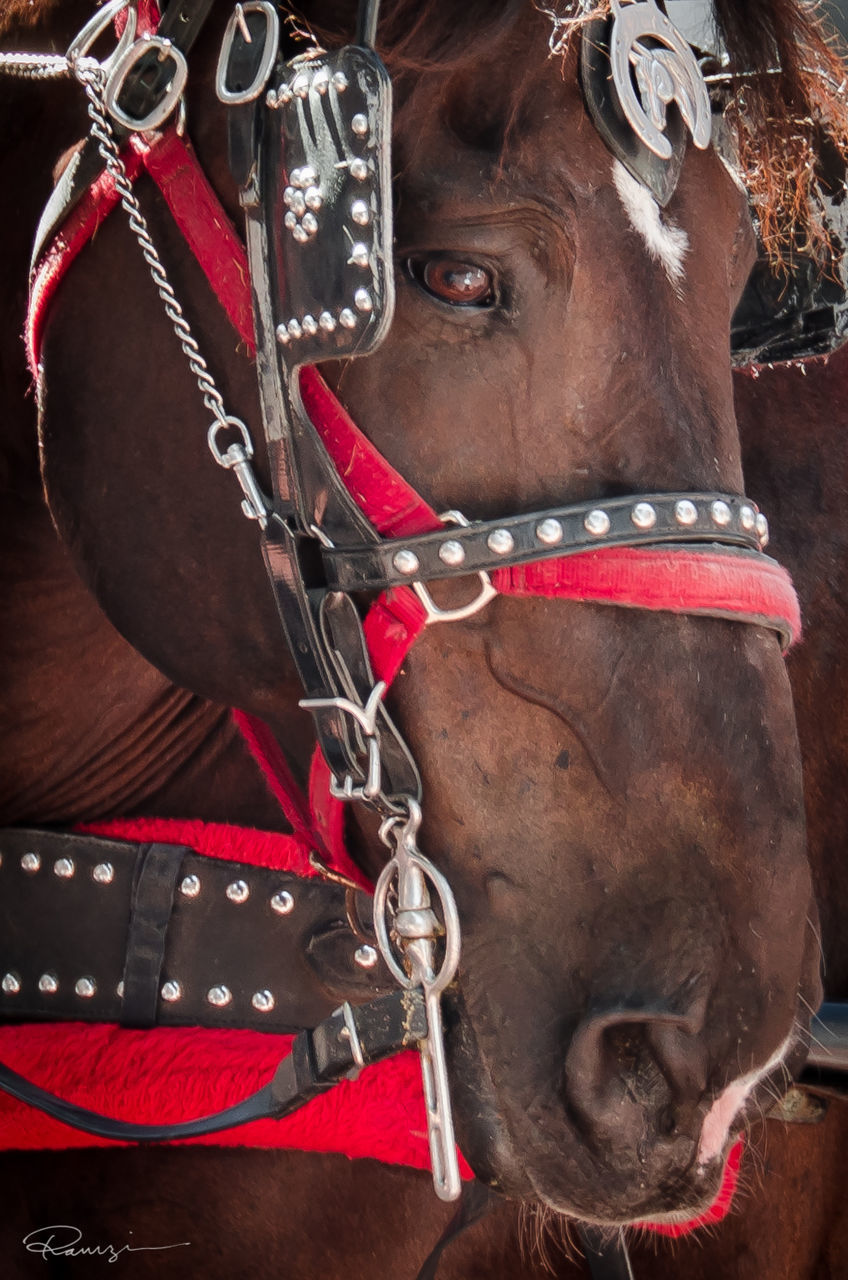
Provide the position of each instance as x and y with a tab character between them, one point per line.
615	796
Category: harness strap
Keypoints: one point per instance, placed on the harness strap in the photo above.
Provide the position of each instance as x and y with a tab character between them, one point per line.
155	882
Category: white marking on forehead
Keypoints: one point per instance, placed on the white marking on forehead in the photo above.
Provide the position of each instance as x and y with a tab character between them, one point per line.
666	243
728	1104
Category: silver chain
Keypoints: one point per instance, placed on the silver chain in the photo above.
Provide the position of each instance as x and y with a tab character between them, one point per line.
38	66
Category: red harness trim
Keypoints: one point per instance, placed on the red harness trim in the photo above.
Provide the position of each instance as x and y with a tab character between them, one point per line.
676	580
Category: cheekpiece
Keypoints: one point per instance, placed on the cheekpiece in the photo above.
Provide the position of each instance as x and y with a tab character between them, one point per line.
331	211
644	89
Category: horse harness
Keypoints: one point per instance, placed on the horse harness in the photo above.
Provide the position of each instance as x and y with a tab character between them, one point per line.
309	142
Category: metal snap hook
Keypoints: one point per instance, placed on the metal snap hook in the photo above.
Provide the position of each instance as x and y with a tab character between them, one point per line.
237	23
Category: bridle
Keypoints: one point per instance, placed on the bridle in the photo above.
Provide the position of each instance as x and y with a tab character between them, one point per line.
309	147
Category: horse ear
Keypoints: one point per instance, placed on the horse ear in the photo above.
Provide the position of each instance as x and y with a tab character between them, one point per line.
659	175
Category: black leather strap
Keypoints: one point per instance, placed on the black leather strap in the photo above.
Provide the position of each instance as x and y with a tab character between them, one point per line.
156	874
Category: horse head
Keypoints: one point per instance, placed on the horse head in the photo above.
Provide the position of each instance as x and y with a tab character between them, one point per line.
613	794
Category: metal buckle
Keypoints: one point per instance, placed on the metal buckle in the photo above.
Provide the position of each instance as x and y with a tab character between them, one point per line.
99	23
159	113
487	590
235	98
366	719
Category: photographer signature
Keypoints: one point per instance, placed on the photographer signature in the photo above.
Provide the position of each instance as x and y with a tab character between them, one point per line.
64	1241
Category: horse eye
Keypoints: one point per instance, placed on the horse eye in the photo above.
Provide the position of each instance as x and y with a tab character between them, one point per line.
461	284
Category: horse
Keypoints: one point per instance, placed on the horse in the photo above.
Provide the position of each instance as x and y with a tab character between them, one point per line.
614	795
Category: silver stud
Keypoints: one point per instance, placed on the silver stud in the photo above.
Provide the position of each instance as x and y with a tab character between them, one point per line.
500	541
309	223
31	862
190	886
283	335
359	255
365	956
171	991
295	330
103	873
299	234
284	94
282	902
295	178
339	82
219	996
359	124
685	512
288	196
11	984
347	319
64	868
362	300
597	523
321	81
747	518
310	325
48	984
308	176
358	168
761	524
643	515
327	322
360	213
85	988
300	85
549	532
271	100
313	199
452	553
406	562
298	203
262	1001
119	990
238	891
720	513
290	221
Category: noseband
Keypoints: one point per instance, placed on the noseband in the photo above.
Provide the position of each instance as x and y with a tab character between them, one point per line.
310	151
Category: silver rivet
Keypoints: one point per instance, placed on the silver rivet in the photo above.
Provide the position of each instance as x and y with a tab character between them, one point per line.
298	203
295	178
327	322
643	515
31	862
284	94
452	553
48	984
300	85
747	518
290	221
358	168
359	125
339	82
190	886
219	996
11	984
238	891
119	990
549	532
313	199
500	541
360	213
282	902
299	235
597	523
271	100
685	512
103	873
310	325
762	528
406	562
321	82
283	336
720	513
309	223
362	300
347	319
171	991
365	956
64	868
85	988
295	330
288	196
308	176
359	255
263	1001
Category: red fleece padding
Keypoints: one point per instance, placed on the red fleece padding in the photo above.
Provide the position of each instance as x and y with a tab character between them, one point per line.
719	1208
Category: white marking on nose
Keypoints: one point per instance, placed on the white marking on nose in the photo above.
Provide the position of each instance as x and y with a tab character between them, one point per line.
720	1117
666	243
